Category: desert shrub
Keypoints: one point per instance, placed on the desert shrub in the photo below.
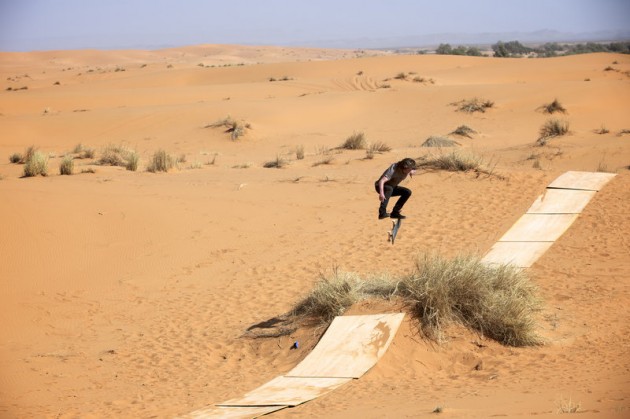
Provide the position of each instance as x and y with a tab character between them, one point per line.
401	76
602	130
464	131
330	297
356	141
236	128
497	301
377	147
326	159
454	162
133	158
437	141
112	155
36	164
623	132
277	163
15	158
78	149
67	165
553	107
473	105
418	79
161	162
299	152
552	128
28	154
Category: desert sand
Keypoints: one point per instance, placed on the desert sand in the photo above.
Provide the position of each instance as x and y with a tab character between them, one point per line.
127	294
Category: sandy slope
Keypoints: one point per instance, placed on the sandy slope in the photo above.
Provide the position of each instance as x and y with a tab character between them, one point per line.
126	294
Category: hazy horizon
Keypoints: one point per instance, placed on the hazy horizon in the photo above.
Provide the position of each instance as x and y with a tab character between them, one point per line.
74	24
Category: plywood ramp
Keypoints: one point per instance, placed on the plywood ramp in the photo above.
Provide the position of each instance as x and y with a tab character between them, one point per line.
248	412
561	201
547	219
519	254
539	228
287	391
350	346
590	181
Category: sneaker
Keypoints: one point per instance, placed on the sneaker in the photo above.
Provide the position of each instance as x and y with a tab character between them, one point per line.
397	215
383	215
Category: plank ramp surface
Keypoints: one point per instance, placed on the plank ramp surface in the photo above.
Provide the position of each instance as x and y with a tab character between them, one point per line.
551	214
350	346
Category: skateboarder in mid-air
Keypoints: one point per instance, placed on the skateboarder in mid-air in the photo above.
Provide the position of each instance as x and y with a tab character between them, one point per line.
387	186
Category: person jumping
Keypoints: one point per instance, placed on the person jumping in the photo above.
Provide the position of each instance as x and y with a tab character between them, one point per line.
387	186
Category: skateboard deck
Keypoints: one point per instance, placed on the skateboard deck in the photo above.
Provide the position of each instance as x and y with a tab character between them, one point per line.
395	227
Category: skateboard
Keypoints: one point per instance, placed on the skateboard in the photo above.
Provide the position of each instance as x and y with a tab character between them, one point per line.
392	234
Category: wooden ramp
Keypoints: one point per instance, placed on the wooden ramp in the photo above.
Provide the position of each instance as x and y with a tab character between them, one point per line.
547	219
349	348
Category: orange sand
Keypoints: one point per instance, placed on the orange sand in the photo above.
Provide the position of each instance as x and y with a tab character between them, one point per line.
126	294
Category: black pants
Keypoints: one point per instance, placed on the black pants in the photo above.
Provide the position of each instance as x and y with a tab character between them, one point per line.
390	191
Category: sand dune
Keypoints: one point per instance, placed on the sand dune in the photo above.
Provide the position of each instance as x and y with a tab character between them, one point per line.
126	294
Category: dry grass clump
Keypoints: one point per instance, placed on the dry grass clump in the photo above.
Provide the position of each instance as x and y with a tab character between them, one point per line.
473	105
234	127
115	155
437	141
553	107
161	162
36	163
67	165
15	158
356	141
277	163
330	297
552	128
377	147
455	161
464	131
497	301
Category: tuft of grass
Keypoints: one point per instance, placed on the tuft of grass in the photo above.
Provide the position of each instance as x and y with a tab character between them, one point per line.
602	130
437	141
454	162
15	158
356	141
67	165
497	301
568	406
473	105
28	154
36	164
299	152
161	162
327	159
113	155
553	107
623	132
278	163
330	297
552	128
464	131
377	147
133	159
236	128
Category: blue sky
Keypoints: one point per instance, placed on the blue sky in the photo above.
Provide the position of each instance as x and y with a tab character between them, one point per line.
27	25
